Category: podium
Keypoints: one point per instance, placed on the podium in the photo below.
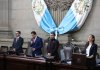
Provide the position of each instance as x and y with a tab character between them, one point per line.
79	59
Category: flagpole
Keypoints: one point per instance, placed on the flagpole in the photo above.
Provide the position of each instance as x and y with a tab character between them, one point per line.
56	33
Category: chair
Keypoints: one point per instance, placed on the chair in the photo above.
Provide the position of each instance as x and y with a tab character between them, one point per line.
76	49
24	50
29	51
11	48
4	49
66	52
97	59
97	56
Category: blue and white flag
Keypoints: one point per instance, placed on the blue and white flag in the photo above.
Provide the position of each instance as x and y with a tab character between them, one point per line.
72	21
42	16
75	16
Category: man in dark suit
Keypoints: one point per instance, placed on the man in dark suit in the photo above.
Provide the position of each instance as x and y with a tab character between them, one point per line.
36	43
18	43
52	47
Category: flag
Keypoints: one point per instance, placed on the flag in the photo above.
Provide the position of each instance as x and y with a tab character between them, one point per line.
73	20
75	16
42	16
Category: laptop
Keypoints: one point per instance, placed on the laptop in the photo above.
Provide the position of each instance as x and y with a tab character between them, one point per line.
79	59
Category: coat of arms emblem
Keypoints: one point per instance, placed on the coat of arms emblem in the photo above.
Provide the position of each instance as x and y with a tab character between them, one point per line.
80	6
37	6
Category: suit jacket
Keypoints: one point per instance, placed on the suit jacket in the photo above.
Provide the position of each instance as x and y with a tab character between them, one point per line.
18	45
93	51
52	48
38	44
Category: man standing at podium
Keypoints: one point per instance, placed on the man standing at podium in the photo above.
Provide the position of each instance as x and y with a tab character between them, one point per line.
18	43
36	44
52	47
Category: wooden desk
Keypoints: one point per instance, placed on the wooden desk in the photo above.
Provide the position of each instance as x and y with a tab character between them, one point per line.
22	63
1	62
25	63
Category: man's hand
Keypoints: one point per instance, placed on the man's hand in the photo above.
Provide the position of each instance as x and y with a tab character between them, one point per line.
49	54
90	56
46	44
14	49
33	49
